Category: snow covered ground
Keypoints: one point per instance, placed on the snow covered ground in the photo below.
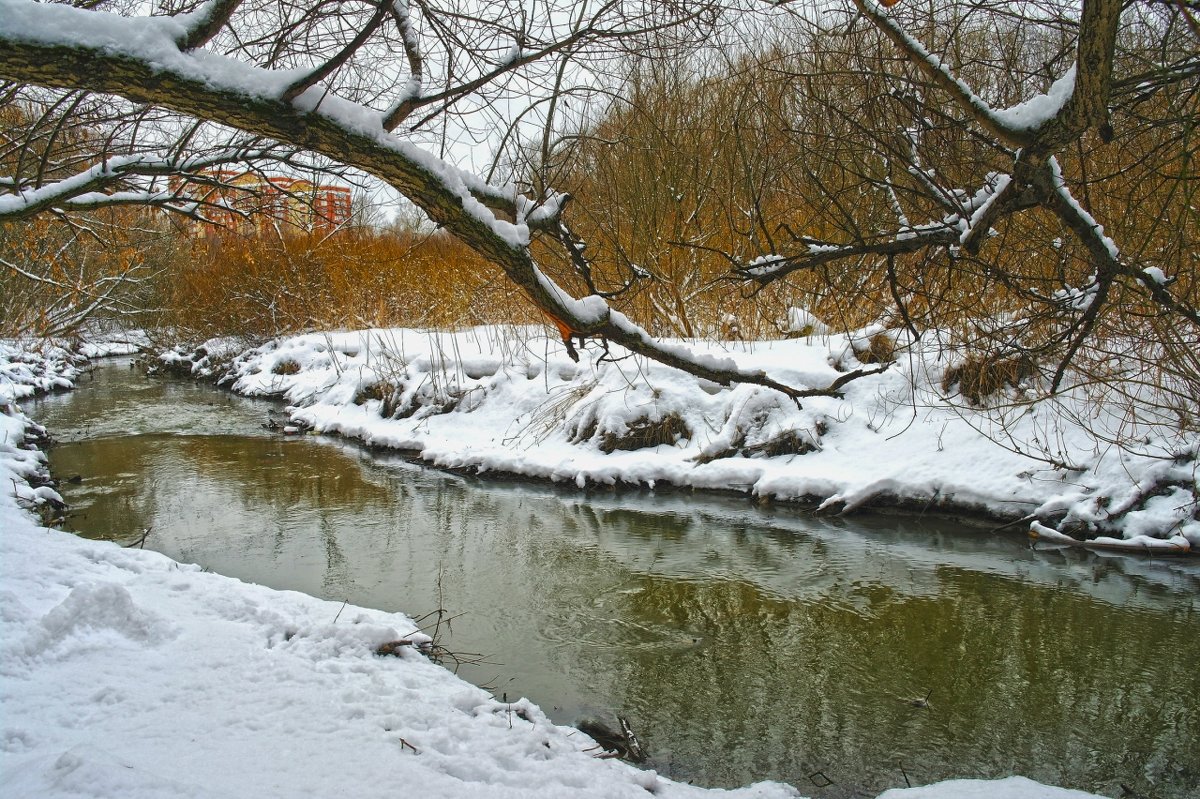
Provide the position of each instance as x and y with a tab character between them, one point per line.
125	674
493	399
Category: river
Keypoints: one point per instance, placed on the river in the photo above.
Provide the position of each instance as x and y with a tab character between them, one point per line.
844	656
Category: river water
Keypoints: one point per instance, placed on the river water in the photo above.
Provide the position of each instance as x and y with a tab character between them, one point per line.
742	643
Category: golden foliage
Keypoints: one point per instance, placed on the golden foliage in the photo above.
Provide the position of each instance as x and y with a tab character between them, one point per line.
56	276
266	285
978	377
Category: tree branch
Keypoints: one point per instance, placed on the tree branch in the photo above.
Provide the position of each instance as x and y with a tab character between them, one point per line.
332	65
131	58
207	22
84	189
931	66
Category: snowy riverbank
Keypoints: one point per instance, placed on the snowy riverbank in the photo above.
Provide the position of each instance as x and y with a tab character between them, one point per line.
126	674
492	399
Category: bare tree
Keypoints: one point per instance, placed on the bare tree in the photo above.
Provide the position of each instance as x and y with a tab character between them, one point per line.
388	87
1044	157
66	152
363	83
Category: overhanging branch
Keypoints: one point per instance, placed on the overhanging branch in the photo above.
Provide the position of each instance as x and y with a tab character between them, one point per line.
138	59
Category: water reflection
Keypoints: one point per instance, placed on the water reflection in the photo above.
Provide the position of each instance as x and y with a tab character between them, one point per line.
742	643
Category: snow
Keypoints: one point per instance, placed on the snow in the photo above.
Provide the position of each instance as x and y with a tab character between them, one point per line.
802	321
1078	299
1041	108
1135	543
534	214
769	264
996	187
1011	788
682	351
1060	186
1155	275
127	674
24	372
590	310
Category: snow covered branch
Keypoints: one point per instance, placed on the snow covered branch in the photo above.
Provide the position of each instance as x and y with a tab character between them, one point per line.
148	60
1074	103
207	22
112	182
937	73
819	253
1021	147
964	228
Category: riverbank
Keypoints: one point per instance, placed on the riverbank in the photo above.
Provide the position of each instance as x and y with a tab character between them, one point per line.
128	674
509	400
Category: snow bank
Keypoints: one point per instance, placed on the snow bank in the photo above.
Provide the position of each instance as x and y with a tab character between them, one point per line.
25	371
488	399
101	344
127	674
29	368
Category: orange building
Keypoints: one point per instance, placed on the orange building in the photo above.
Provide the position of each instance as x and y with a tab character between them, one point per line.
248	202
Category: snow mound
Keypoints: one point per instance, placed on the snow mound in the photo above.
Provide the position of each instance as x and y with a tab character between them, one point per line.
86	772
89	618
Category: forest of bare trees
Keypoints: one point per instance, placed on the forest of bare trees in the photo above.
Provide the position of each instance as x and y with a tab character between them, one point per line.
1018	182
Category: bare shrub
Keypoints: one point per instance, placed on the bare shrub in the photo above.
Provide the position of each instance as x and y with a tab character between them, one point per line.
268	285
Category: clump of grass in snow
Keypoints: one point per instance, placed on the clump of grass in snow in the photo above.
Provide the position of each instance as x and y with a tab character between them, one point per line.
645	432
978	377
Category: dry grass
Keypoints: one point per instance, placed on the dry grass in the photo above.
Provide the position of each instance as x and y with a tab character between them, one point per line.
106	265
979	377
645	432
881	348
702	169
265	286
388	394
